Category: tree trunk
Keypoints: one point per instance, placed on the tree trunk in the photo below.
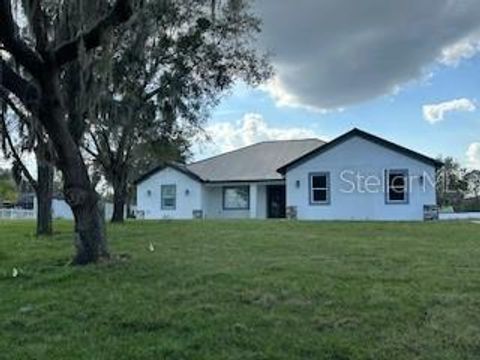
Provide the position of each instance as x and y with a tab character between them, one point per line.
44	192
119	201
90	237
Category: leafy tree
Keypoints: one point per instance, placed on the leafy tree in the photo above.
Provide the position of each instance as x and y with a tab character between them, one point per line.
473	180
162	84
451	183
30	138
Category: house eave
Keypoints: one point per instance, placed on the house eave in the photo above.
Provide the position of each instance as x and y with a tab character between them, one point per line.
159	168
240	181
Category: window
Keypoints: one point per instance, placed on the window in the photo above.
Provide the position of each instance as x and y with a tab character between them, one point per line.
169	197
397	186
236	198
320	188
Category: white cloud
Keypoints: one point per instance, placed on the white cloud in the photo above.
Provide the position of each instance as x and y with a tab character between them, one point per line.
283	98
461	50
434	113
330	54
278	92
252	128
473	155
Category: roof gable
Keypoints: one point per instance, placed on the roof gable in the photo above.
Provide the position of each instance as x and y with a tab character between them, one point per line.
364	135
179	167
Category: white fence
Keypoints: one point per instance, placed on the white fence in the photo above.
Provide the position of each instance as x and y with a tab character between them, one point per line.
459	216
17	214
60	210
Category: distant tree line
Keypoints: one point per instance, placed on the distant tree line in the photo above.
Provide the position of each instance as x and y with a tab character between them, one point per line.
458	187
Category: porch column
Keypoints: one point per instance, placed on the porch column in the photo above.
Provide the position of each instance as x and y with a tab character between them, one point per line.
253	201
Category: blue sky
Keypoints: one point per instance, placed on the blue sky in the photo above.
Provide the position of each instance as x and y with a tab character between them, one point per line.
426	54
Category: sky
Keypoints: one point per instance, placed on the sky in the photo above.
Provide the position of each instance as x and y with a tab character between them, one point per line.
405	70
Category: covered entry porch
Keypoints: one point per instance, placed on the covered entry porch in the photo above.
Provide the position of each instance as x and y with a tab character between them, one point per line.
245	200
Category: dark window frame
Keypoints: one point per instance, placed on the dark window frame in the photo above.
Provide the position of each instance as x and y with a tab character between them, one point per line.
224	190
311	189
406	186
168	208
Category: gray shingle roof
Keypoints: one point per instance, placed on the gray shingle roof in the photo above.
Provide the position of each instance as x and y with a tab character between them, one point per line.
253	163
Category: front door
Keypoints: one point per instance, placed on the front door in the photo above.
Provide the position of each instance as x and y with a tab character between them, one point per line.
276	201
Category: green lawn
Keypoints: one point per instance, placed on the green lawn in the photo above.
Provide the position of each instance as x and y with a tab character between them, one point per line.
245	290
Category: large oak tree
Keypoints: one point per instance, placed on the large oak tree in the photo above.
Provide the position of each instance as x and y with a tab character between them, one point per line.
41	58
64	38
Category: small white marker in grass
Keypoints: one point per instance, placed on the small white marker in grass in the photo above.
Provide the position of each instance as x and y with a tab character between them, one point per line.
14	272
151	247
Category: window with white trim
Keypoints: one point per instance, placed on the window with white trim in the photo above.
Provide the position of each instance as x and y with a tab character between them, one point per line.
320	188
236	198
169	197
397	186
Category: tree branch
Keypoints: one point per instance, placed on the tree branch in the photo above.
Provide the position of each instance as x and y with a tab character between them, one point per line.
38	24
106	148
25	91
67	52
98	155
90	151
12	43
15	154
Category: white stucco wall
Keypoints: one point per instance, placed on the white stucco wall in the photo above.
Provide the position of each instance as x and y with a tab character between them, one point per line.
261	202
367	159
150	205
208	198
61	210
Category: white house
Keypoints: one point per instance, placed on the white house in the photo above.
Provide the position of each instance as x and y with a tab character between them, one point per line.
357	176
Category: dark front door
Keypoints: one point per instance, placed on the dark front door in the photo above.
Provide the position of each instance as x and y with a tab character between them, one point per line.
276	201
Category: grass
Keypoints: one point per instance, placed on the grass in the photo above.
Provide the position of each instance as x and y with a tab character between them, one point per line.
245	290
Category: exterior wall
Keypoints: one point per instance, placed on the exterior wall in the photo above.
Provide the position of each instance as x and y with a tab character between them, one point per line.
61	210
208	198
150	205
261	202
367	159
